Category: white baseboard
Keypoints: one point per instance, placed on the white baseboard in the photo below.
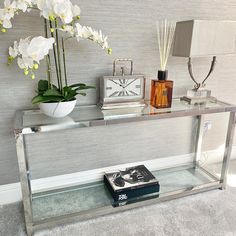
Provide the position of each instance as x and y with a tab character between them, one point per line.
74	179
12	192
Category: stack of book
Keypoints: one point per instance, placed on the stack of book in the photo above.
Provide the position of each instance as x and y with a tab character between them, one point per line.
131	184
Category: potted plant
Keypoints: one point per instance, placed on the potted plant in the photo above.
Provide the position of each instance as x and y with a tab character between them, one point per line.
61	19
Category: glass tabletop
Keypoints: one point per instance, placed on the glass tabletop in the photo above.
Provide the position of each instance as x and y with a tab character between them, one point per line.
31	121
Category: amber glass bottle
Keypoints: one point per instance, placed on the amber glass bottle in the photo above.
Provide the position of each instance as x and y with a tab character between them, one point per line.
161	91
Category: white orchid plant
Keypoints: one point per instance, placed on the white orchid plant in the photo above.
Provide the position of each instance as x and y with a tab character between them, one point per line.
60	17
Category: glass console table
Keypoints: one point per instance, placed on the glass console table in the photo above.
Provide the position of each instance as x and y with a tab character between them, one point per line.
77	202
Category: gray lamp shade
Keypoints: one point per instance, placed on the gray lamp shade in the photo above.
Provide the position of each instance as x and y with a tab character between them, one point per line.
201	38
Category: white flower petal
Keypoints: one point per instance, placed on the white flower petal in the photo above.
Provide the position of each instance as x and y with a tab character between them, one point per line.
76	10
21	63
7	24
39	47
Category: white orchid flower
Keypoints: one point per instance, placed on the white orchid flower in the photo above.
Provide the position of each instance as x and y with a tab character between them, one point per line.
25	63
63	9
23	46
24	5
10	8
7	13
40	4
30	51
39	47
76	10
88	33
46	8
82	31
13	51
69	30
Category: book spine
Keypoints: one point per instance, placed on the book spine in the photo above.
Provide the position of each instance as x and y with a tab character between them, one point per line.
132	193
133	200
126	195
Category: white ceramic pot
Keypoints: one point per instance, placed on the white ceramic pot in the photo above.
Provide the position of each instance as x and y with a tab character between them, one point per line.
57	109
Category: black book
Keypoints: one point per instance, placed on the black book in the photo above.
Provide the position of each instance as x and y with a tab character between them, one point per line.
131	183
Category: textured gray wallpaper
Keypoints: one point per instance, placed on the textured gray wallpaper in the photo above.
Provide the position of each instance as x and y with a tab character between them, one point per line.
130	25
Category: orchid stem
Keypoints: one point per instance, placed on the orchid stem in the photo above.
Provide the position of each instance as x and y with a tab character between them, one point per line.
58	54
64	60
55	58
48	58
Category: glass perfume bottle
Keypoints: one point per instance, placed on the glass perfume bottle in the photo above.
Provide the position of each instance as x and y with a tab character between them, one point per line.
161	91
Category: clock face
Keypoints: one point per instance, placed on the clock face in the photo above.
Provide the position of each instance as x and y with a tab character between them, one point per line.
124	87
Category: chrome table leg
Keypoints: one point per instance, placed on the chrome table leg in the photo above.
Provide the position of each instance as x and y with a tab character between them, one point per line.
25	182
228	149
198	148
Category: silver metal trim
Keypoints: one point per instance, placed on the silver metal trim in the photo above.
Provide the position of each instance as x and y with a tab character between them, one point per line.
228	149
204	169
110	210
123	59
20	130
25	182
198	150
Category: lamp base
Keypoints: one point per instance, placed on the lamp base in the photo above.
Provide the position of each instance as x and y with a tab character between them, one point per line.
199	96
199	93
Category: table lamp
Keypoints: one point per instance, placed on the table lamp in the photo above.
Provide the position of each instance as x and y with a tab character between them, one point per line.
203	38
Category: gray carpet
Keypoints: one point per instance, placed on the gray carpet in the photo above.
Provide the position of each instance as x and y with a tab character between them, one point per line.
211	213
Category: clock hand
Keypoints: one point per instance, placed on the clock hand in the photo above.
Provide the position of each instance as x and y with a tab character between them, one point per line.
129	83
117	83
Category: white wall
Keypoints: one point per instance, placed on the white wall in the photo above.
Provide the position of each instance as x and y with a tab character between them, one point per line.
130	25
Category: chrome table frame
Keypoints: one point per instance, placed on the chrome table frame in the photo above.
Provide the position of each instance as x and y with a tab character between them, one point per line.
220	183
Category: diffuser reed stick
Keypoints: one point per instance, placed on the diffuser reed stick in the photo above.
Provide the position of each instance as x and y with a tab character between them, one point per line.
165	35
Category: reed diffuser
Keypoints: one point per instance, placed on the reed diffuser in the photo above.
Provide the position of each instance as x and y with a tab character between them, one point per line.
162	89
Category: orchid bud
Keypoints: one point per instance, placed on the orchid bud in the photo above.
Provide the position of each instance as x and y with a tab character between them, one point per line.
36	66
52	30
33	76
109	51
10	60
52	18
3	30
26	72
63	26
78	17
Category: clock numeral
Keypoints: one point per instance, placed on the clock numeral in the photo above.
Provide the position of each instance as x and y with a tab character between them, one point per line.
138	86
108	88
121	93
132	92
113	94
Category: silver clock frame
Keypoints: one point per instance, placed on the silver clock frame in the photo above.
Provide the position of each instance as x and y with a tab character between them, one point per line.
107	102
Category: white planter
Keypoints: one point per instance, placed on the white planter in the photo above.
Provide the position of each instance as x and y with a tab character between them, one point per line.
57	109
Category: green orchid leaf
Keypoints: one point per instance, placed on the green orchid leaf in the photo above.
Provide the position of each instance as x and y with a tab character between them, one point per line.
40	99
70	95
52	92
66	91
85	87
43	86
77	85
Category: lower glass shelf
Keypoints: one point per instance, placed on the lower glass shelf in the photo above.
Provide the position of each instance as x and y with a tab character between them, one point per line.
84	198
